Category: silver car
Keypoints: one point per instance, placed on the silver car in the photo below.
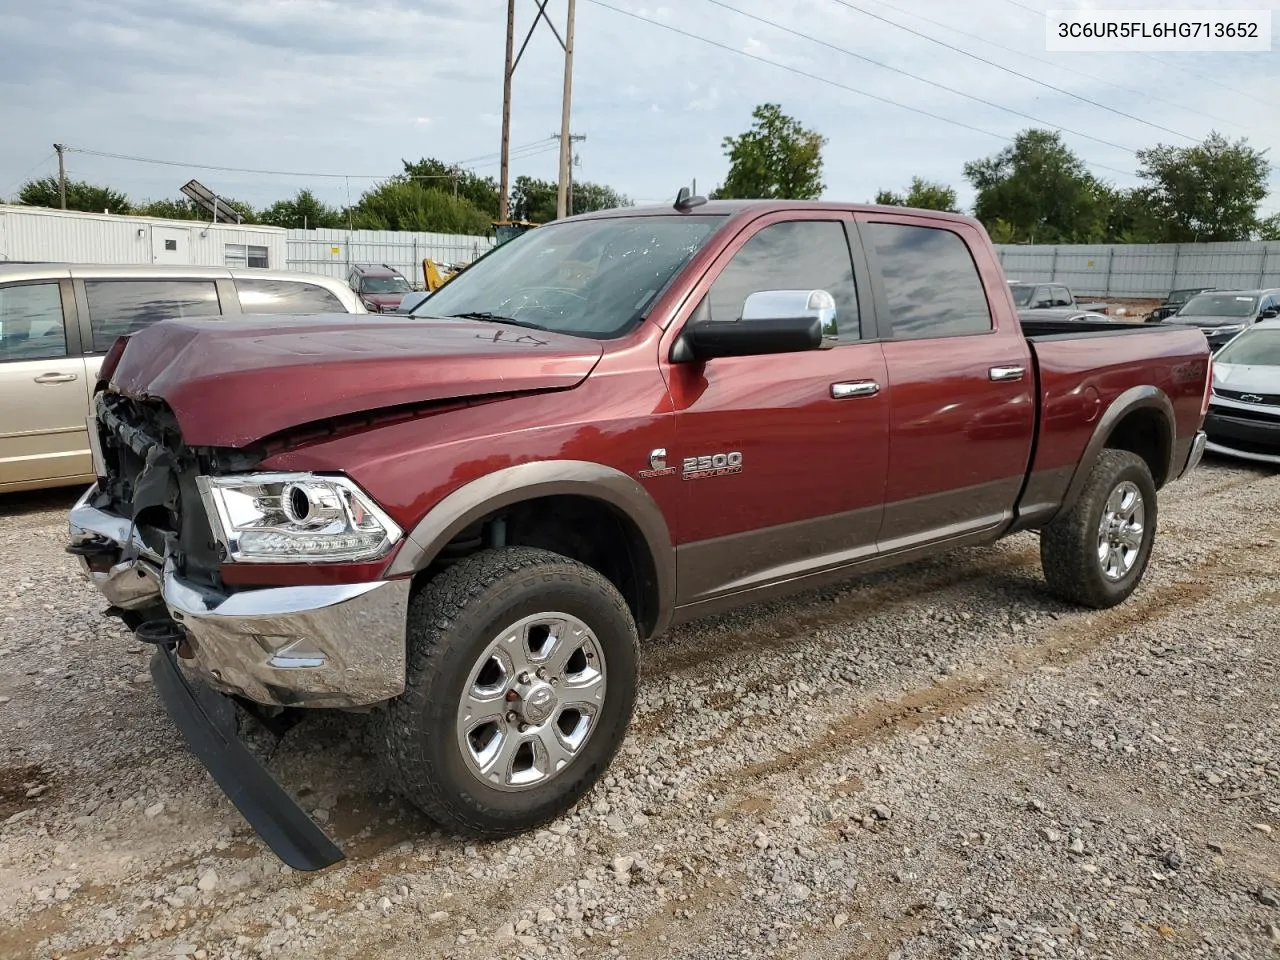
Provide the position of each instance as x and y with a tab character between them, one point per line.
57	320
1244	410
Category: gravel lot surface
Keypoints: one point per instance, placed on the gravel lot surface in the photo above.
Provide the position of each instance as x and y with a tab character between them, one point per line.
936	762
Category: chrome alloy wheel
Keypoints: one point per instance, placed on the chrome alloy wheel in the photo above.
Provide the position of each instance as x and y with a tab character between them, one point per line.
531	701
1120	530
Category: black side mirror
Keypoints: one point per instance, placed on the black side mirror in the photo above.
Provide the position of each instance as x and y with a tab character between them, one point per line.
773	321
1269	314
752	338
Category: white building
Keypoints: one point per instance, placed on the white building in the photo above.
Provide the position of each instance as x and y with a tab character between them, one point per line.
67	236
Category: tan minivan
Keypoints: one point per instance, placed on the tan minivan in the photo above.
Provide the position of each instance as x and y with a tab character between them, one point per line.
57	321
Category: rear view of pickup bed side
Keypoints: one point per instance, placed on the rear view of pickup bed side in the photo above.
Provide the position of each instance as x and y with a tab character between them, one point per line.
469	518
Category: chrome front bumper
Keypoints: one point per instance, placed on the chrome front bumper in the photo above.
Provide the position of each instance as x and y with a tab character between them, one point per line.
330	645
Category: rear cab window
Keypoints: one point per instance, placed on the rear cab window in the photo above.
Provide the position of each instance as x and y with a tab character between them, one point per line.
31	322
118	307
931	283
285	296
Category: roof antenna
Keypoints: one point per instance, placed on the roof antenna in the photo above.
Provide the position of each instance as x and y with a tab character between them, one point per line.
685	200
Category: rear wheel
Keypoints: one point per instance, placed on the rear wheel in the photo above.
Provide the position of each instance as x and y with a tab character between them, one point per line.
1097	552
520	684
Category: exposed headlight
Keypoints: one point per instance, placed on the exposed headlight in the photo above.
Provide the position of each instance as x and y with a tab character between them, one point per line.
1227	330
295	518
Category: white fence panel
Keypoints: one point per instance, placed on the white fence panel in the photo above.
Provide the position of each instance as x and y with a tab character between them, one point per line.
332	252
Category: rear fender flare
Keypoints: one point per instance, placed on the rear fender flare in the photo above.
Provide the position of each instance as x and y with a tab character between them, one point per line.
544	478
1135	398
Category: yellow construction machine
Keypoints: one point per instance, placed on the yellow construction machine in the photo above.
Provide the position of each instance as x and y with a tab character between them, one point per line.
436	275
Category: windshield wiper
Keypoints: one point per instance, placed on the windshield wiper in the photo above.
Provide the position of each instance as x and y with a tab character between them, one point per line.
496	318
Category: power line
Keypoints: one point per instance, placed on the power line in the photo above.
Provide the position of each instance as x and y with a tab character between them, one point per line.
1056	66
541	145
826	80
23	179
1010	70
1155	59
913	76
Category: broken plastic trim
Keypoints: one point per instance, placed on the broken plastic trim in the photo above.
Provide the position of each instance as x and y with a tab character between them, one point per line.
207	722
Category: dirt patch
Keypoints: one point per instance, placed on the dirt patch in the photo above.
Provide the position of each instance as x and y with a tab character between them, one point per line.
23	787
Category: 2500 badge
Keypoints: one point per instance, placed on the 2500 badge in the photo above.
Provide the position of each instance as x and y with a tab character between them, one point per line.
714	465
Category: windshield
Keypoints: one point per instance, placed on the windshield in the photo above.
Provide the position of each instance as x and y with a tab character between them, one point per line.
1022	293
1219	305
589	278
1260	347
384	285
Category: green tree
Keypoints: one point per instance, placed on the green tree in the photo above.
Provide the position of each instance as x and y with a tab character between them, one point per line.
86	197
182	209
1269	229
1041	190
400	204
482	192
1206	192
922	195
533	199
304	211
589	197
777	158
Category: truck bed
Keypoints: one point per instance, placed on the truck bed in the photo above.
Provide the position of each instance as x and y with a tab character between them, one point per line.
1081	370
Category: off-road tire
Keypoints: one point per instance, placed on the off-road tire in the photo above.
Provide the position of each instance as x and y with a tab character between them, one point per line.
451	619
1069	544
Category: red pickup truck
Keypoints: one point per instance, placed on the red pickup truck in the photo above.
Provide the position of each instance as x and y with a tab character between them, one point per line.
470	518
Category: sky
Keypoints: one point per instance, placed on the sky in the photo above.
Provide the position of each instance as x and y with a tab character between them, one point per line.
309	87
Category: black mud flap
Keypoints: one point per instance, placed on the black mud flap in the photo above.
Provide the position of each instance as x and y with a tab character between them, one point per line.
208	724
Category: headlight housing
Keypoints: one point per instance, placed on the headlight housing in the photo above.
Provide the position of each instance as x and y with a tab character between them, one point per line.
295	518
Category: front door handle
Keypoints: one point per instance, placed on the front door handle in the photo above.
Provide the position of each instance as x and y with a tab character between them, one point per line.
854	388
1007	373
55	378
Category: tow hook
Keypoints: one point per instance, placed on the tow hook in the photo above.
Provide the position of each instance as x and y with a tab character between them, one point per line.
161	633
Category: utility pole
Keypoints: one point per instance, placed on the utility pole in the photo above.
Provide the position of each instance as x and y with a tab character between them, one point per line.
62	175
562	196
509	72
504	190
567	208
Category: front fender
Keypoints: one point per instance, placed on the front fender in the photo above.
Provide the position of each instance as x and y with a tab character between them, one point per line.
544	478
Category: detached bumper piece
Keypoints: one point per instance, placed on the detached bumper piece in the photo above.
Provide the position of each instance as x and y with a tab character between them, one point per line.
208	724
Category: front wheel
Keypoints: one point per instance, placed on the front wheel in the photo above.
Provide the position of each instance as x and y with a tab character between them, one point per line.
1097	552
520	683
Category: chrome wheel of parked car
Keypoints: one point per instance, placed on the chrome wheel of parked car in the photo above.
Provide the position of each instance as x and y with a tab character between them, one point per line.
1096	552
1120	531
531	701
505	721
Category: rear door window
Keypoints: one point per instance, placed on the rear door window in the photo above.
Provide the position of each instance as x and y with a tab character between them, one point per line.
118	307
286	296
31	326
930	282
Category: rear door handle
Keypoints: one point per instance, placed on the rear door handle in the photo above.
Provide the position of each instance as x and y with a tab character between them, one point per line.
1007	373
55	378
854	388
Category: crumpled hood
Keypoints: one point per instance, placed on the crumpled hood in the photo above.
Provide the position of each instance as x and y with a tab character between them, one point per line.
233	381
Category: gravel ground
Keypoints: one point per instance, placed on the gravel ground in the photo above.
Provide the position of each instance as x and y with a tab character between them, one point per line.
937	762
